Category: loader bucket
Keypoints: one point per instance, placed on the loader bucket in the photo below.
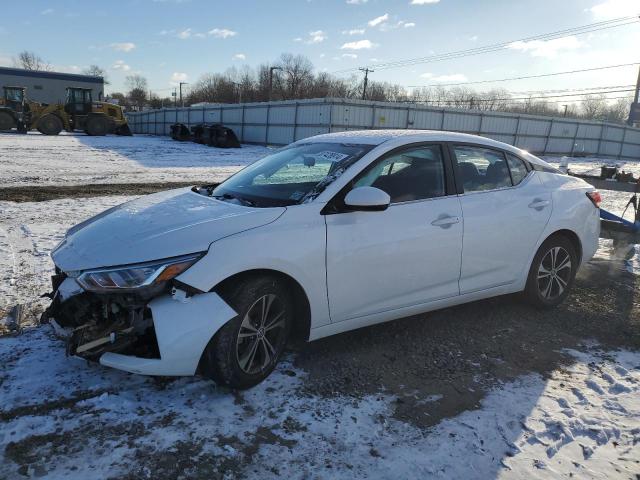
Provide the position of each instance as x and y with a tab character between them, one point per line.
221	137
124	130
180	132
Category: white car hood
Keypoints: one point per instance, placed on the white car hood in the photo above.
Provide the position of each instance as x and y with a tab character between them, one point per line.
157	226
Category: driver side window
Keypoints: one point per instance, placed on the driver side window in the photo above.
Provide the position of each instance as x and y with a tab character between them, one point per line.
416	173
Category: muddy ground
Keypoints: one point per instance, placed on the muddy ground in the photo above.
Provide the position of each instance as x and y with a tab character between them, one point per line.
455	355
53	192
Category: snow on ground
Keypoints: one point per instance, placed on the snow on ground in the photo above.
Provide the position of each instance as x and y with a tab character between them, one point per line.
64	418
75	159
28	233
591	165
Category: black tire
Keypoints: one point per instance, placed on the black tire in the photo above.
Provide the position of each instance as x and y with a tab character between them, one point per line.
7	122
50	124
97	126
552	272
244	361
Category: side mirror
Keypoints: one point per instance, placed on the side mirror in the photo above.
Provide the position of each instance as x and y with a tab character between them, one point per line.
368	199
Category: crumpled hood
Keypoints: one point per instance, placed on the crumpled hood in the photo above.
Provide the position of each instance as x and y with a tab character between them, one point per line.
153	227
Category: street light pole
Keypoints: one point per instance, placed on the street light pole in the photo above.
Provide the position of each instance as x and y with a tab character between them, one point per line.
271	80
565	110
181	101
636	99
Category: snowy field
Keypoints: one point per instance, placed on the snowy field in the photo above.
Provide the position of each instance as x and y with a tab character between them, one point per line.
73	159
65	418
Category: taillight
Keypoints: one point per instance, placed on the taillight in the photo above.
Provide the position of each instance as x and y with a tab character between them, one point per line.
595	198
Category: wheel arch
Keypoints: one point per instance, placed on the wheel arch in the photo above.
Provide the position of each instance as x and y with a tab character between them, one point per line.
572	237
301	305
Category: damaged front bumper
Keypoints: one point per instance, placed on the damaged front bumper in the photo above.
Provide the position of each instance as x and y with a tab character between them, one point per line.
159	332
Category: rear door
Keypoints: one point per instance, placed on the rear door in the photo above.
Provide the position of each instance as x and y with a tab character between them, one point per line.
406	255
505	208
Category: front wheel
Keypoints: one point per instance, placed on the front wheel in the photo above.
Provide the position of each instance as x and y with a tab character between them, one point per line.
50	124
246	349
552	272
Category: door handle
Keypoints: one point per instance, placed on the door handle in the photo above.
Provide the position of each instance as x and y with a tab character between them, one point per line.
539	204
445	222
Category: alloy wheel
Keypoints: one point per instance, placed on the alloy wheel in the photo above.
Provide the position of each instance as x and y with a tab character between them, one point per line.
261	334
554	273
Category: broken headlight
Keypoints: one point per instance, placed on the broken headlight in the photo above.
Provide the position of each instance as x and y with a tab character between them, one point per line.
131	277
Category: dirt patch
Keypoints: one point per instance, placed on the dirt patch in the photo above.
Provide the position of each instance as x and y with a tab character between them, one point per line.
442	363
53	192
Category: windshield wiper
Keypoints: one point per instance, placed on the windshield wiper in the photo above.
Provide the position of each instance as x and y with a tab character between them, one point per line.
228	196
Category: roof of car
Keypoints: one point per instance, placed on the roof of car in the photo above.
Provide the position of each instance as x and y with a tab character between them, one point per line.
376	137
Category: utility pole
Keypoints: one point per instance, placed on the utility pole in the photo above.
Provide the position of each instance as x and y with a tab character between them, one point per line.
175	97
634	111
366	71
565	110
181	101
271	79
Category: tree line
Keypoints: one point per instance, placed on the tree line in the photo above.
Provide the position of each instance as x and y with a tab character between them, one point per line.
293	77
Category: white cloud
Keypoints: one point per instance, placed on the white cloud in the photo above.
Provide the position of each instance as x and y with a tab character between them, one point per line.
354	31
408	25
379	20
322	55
474	38
183	35
357	2
455	77
317	36
123	47
47	11
239	56
222	33
615	9
178	77
359	45
120	65
547	49
424	2
349	55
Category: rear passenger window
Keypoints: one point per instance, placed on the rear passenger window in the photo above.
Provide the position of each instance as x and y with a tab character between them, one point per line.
482	169
517	167
413	174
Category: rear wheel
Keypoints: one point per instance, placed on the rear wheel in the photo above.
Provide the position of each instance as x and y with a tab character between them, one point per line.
97	126
246	350
6	121
50	124
552	272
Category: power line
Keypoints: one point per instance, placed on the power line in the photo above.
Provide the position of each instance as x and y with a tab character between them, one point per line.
613	23
604	88
526	77
514	99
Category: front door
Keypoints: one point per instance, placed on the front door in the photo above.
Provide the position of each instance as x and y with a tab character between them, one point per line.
406	255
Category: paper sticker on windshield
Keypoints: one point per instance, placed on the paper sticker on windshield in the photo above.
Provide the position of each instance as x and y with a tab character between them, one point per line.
331	156
296	195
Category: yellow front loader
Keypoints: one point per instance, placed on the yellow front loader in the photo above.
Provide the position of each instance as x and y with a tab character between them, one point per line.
79	112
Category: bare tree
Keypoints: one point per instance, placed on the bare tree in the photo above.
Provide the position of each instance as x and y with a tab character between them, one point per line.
96	71
30	61
137	89
297	73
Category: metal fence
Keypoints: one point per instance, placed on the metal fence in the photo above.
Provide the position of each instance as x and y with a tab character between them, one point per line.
280	123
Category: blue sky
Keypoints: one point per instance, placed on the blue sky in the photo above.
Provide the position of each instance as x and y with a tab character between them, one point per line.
172	40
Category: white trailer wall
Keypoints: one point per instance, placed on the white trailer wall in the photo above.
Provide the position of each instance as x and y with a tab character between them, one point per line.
280	123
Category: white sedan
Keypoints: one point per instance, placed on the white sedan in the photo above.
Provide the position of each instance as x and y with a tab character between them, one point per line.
329	234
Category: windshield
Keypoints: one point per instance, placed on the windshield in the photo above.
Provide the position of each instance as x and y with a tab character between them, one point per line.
291	175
